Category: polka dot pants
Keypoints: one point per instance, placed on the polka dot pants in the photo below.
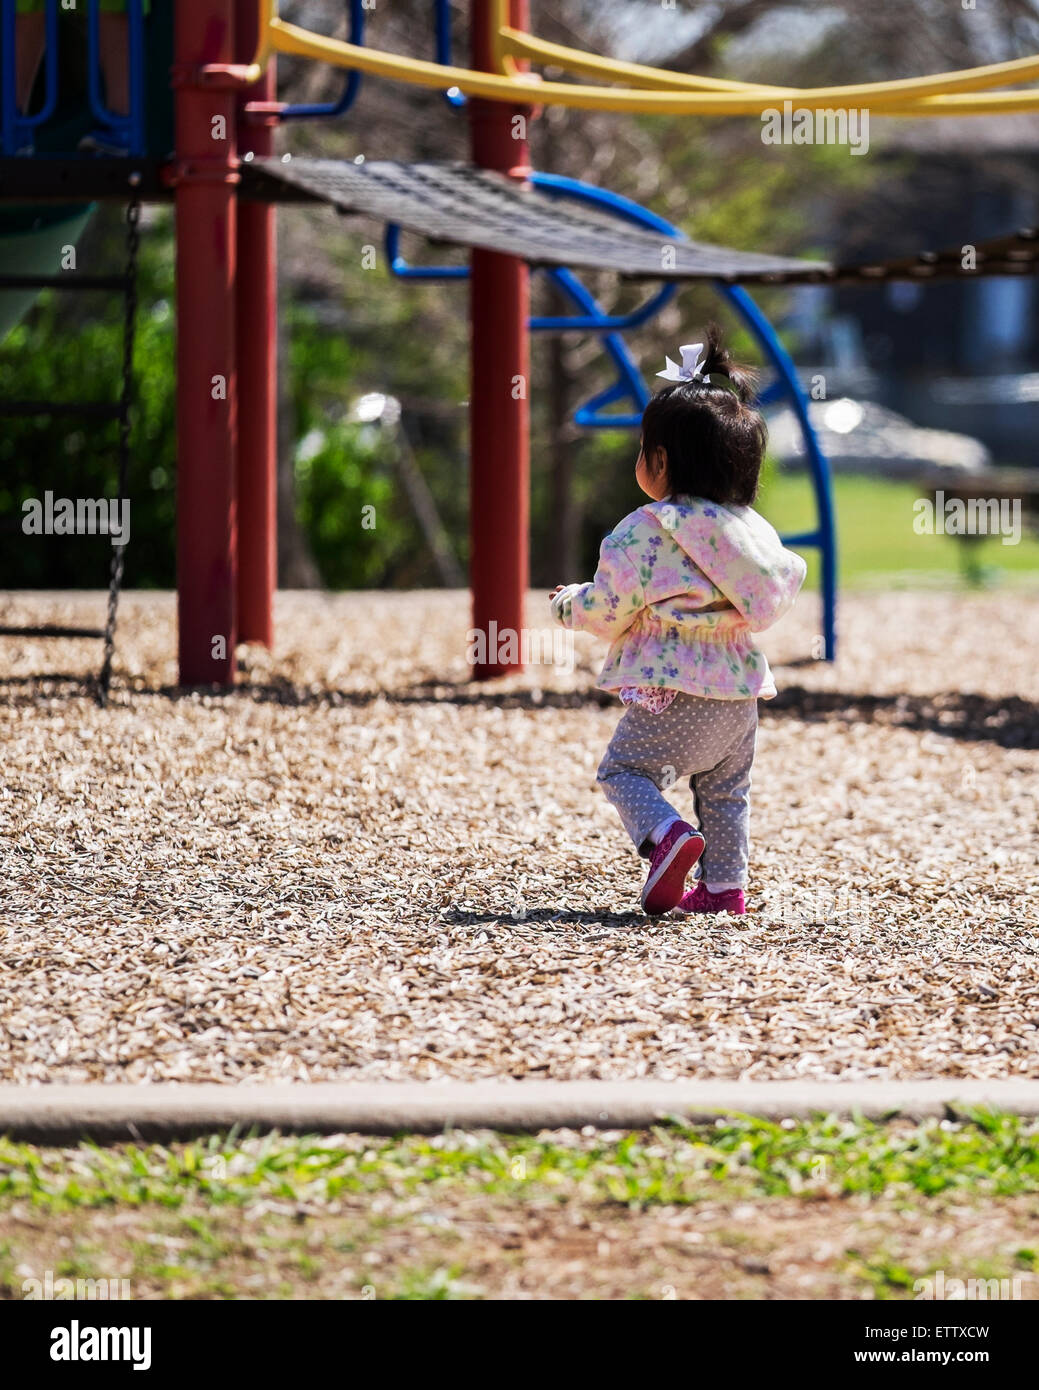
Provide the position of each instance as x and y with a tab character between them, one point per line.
709	741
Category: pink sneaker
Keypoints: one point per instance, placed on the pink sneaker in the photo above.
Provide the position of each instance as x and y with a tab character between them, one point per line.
672	859
700	899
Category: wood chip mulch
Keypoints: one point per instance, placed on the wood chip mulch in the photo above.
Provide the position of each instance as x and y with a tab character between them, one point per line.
361	864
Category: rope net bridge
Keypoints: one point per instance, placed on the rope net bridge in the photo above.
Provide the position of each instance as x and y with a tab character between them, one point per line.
467	206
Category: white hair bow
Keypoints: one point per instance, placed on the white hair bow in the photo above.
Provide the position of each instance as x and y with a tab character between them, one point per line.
690	368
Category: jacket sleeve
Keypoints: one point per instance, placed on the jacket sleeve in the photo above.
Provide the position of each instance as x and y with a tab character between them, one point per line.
753	569
611	602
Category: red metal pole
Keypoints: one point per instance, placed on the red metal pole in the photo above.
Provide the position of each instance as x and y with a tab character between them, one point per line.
499	406
256	299
206	387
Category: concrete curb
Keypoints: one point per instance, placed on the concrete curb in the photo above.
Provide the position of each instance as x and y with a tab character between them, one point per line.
113	1113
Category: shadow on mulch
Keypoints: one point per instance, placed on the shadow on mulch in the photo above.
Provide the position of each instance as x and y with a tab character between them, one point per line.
547	916
1010	721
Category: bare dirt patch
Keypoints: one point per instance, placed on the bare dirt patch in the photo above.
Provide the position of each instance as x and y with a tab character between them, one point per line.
471	1246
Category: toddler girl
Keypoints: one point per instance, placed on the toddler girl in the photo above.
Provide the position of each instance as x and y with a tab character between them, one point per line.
681	584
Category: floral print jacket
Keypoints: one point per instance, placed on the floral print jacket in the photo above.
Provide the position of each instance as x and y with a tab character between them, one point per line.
681	586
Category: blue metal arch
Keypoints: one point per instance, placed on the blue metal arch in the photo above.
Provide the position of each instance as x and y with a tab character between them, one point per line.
629	379
824	536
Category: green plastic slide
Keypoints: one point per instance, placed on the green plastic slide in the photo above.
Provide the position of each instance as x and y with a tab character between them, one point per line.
32	238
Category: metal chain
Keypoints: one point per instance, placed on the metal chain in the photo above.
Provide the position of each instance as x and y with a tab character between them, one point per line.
133	216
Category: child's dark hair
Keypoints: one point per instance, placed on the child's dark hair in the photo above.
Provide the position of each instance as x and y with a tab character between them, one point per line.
713	438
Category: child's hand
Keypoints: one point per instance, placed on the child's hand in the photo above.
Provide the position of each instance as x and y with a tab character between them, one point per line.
559	601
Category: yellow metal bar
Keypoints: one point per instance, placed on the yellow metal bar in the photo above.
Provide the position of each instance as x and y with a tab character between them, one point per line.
894	99
520	45
499	23
262	57
636	74
966	104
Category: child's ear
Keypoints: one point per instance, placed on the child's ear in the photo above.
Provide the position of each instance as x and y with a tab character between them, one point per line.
660	460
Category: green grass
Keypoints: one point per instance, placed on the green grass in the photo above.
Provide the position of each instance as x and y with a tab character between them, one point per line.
877	545
994	1155
887	1278
708	1210
428	1285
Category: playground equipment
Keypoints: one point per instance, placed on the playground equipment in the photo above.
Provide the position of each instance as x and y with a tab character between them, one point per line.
630	383
221	64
